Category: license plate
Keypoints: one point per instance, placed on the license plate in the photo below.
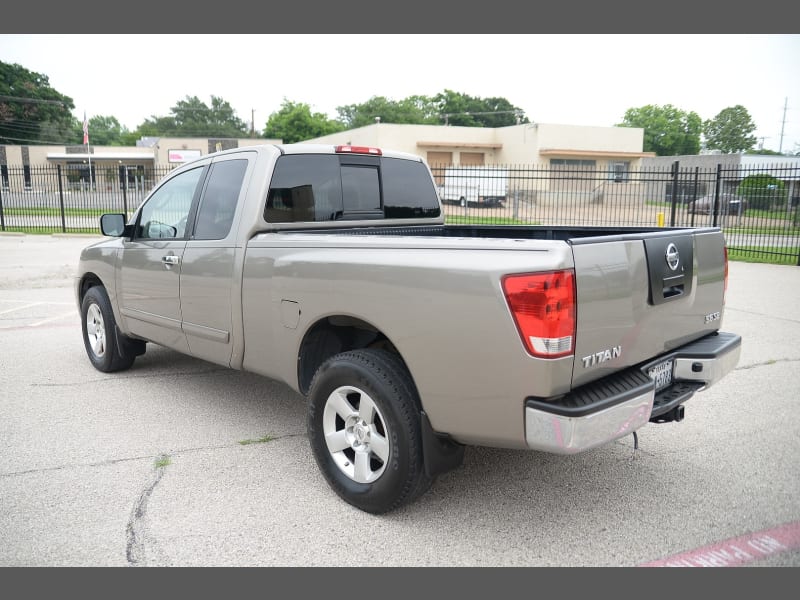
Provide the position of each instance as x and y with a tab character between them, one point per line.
661	374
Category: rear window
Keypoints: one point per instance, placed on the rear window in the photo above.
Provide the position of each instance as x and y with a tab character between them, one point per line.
316	188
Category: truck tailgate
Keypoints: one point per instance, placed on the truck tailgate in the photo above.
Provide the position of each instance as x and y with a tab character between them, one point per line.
643	295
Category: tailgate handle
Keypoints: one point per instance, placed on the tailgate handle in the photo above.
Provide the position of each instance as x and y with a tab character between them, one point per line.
673	286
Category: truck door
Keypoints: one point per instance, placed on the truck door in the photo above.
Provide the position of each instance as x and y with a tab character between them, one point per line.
149	276
211	271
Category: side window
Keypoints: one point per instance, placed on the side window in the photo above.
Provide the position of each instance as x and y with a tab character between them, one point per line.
166	212
219	201
408	192
305	188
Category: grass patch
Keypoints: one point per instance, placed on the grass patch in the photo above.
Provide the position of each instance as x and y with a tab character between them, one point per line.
764	254
261	440
49	230
43	211
462	220
163	462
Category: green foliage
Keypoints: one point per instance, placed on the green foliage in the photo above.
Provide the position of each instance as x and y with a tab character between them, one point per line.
447	107
668	131
414	109
295	122
32	112
730	131
763	191
103	131
192	117
469	111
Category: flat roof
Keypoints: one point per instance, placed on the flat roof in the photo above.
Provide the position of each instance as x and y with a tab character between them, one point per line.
101	156
609	153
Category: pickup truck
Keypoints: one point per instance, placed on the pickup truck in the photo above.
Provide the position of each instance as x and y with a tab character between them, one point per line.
331	268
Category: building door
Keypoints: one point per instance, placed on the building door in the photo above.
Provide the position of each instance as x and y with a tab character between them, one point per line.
438	161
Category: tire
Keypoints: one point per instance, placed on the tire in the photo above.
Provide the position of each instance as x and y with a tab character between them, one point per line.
462	202
108	351
364	430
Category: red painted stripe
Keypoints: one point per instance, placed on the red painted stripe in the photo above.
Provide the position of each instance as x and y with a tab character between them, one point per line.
737	551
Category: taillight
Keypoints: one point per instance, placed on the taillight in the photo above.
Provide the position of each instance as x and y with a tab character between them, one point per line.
358	150
543	306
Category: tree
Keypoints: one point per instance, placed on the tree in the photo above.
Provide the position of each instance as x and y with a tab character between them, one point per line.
668	131
730	131
456	108
414	109
446	108
294	122
32	112
103	131
192	117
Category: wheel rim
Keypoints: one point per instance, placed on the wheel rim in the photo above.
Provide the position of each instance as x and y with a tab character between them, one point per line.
96	330
356	434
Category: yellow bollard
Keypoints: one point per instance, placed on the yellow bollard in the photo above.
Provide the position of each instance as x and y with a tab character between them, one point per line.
660	219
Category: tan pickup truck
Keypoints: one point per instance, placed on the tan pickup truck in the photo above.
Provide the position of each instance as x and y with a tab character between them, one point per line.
332	269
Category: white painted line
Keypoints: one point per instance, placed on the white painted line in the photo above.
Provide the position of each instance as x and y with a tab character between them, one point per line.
64	316
10	310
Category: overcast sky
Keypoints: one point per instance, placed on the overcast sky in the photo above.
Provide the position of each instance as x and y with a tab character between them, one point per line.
578	79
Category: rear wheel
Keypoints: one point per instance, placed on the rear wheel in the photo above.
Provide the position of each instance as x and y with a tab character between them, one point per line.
364	430
107	351
462	201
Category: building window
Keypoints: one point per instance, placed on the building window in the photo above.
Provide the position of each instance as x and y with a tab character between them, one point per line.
619	171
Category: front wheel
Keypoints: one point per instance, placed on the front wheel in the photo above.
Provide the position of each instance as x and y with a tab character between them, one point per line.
106	351
364	430
462	202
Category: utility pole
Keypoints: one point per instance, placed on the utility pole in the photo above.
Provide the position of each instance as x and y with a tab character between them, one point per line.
762	138
252	122
783	124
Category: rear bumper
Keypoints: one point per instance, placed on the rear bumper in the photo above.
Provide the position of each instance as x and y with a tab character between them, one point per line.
617	405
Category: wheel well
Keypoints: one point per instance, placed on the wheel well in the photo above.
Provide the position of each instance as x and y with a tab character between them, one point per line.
333	335
89	281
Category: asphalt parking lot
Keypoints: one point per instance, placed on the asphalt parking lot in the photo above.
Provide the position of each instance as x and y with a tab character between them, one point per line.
166	464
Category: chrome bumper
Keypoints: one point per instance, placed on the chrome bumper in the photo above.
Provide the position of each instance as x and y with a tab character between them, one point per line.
600	413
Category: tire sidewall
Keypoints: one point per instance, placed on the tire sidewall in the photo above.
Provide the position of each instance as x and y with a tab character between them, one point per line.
96	296
379	495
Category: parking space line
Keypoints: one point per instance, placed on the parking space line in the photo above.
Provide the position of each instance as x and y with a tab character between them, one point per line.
62	316
10	310
737	551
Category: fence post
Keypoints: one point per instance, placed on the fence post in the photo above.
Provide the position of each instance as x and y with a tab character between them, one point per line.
2	215
61	200
123	177
675	170
717	185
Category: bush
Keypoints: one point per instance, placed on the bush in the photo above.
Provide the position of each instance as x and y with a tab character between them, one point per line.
763	191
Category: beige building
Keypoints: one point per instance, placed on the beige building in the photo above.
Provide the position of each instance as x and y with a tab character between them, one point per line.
598	148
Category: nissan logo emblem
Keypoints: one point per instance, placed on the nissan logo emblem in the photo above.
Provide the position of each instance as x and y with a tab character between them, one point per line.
673	257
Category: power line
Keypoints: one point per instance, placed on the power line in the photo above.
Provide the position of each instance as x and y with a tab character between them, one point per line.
24	100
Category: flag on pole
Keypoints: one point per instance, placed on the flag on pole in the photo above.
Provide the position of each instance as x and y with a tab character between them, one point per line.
85	129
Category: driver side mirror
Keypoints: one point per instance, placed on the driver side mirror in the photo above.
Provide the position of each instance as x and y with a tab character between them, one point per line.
112	224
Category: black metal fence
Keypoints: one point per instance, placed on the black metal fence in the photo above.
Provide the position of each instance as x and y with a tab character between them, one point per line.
757	207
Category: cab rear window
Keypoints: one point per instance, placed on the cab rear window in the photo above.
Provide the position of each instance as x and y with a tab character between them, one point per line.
320	188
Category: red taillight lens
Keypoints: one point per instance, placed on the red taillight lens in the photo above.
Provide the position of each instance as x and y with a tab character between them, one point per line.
543	306
358	150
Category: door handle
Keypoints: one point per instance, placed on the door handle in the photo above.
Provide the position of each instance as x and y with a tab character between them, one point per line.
170	260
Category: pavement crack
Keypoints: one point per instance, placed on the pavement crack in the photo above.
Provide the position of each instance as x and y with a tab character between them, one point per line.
766	363
106	463
136	531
